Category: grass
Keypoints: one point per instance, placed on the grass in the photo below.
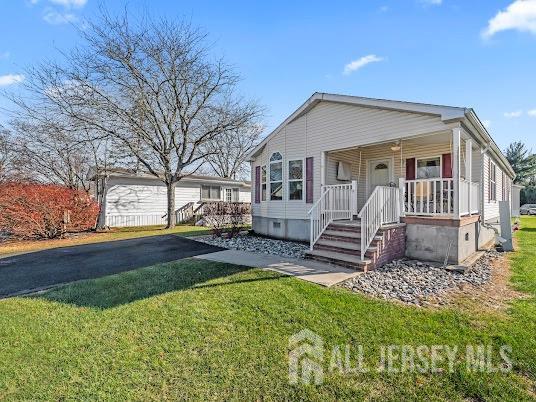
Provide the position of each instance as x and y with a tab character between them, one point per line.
201	330
25	246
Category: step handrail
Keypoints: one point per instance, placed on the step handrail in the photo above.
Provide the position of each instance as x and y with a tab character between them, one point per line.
338	201
383	206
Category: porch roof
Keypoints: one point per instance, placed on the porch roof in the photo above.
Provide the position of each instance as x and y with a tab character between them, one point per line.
446	113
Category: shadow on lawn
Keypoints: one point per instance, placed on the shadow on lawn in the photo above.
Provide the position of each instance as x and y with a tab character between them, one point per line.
127	287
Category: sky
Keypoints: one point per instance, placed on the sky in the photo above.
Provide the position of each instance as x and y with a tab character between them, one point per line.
478	53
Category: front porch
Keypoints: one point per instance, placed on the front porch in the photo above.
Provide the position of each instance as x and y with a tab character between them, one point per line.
430	177
437	174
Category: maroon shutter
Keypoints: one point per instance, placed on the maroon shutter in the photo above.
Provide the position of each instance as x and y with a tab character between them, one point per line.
410	169
309	180
447	166
257	184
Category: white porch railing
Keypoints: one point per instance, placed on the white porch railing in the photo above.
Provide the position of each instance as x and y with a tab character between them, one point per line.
436	197
465	188
336	202
428	196
383	206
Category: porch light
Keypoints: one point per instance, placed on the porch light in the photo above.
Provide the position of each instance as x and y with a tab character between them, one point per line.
395	147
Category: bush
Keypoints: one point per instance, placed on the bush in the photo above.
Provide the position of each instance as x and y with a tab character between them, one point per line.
37	211
222	215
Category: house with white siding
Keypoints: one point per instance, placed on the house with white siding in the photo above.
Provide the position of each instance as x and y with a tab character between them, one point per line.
366	180
140	199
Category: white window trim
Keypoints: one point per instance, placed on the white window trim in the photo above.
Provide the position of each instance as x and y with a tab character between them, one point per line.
269	177
430	157
492	166
302	179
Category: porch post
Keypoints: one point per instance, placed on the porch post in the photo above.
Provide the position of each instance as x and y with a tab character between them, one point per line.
323	164
469	170
456	134
402	195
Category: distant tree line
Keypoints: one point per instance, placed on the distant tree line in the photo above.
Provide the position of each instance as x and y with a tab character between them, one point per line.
143	94
523	162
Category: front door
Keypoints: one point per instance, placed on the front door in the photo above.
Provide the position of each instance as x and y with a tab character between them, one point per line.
379	174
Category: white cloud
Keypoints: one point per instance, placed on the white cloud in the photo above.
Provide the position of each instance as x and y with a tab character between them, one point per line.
486	123
520	16
532	113
359	63
4	55
384	9
431	2
10	79
70	3
513	115
55	18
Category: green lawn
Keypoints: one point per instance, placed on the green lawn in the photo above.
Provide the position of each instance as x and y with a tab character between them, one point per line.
26	246
200	330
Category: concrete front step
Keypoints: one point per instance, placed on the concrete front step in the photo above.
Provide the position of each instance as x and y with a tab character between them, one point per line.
342	234
345	226
340	246
340	259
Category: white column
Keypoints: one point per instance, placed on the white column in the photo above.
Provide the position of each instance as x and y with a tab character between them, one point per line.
323	166
469	169
456	134
402	195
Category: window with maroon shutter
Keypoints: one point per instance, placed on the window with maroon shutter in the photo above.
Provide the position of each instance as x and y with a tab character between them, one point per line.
309	180
257	184
447	166
410	169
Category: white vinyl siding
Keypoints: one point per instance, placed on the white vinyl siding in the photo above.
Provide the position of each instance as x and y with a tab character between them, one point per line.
331	126
142	201
491	207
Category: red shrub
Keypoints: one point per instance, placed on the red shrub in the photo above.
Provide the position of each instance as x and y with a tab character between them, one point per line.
30	210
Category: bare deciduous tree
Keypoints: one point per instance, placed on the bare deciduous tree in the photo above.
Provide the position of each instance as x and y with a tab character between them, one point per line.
227	156
152	87
8	156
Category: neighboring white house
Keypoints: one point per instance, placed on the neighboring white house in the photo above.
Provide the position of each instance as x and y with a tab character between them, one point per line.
351	164
140	199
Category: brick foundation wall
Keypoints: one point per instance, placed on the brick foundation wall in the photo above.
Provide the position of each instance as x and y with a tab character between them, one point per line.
392	246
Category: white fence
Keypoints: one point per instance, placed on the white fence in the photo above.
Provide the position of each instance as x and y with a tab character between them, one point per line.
115	221
336	202
383	206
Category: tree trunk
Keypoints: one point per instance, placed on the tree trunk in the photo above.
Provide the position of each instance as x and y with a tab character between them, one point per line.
170	205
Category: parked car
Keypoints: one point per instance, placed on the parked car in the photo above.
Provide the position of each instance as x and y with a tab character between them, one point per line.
527	209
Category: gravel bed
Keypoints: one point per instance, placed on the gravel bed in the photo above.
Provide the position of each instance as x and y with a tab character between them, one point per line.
415	282
258	244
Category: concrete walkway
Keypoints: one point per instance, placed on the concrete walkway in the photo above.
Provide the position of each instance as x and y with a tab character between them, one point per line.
311	271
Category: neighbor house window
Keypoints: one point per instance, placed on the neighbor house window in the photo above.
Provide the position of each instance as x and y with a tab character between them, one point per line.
428	168
210	193
295	180
492	182
232	194
276	177
263	183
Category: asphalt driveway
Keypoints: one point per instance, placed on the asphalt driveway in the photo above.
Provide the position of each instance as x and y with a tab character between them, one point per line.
43	269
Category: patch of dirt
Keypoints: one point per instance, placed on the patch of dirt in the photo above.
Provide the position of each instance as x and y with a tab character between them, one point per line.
492	297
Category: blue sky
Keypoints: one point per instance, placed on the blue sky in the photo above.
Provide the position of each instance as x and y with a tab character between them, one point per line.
480	54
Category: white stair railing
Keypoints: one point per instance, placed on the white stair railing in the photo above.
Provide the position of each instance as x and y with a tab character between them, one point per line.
337	201
383	206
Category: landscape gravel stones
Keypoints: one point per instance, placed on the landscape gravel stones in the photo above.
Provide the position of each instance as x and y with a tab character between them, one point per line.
257	244
415	282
